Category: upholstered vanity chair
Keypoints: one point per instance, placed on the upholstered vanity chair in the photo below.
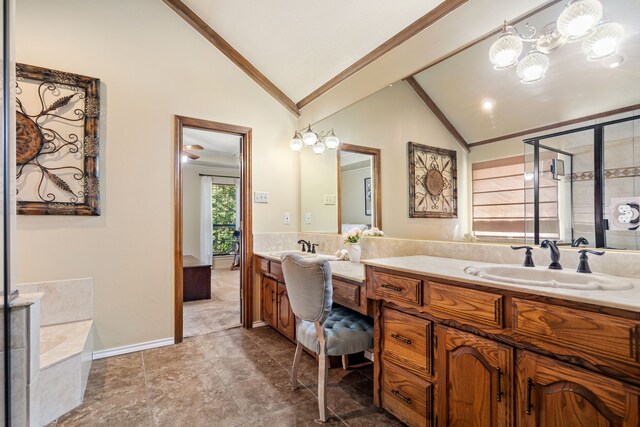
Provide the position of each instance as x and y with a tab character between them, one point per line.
321	328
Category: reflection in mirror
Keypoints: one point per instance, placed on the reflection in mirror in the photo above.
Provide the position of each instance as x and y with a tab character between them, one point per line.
356	191
319	192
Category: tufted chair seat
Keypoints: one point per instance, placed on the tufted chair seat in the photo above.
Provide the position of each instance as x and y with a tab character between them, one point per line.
322	328
346	332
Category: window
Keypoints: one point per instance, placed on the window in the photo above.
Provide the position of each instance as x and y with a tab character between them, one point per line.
223	217
503	200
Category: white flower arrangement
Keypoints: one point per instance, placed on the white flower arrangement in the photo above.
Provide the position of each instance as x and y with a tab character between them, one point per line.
373	232
352	236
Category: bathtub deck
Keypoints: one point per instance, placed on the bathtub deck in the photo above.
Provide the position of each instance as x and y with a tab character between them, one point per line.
63	341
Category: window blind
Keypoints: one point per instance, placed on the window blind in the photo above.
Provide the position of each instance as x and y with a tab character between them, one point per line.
503	200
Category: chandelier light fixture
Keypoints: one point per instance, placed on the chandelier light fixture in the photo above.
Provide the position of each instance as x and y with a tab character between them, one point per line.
581	20
319	142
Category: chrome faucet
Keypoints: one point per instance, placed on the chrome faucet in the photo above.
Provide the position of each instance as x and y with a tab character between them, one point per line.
306	245
579	241
555	254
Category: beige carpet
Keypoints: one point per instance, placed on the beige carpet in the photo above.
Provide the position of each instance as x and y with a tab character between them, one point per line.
221	312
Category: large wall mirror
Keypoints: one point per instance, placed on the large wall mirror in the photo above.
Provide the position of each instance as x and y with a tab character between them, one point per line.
340	189
546	126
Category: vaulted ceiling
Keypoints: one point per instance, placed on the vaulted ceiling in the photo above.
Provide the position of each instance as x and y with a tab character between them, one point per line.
299	45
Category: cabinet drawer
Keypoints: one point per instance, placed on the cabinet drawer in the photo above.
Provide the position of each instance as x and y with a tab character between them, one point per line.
406	340
262	265
275	268
600	334
397	288
346	294
407	397
466	305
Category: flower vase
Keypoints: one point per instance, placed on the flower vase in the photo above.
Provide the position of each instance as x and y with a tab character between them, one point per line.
354	250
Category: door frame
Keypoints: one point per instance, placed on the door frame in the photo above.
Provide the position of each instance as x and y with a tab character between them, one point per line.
246	218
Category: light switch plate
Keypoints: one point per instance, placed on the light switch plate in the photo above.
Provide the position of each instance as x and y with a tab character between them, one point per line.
287	218
261	197
307	218
329	199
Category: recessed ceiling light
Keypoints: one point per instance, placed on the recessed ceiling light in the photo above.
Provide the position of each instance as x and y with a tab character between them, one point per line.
488	104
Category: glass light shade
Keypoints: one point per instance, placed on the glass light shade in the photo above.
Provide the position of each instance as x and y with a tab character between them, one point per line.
184	158
505	51
533	67
604	41
612	61
309	137
332	141
296	142
319	147
578	18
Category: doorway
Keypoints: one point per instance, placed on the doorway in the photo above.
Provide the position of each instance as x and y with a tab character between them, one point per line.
213	236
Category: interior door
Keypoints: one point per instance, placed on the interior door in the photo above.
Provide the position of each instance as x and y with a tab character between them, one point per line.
286	318
552	394
475	380
269	289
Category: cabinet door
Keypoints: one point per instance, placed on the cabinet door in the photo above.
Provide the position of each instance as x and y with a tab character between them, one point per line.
269	289
552	394
474	380
286	318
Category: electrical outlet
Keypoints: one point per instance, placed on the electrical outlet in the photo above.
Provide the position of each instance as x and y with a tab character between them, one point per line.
287	218
261	197
307	218
329	199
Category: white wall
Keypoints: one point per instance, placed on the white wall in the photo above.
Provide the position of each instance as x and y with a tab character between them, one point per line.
352	194
318	177
152	66
388	120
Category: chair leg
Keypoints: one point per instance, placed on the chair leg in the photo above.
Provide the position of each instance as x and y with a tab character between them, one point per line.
294	370
345	361
323	370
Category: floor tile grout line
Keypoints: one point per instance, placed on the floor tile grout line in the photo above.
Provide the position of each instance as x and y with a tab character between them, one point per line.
146	388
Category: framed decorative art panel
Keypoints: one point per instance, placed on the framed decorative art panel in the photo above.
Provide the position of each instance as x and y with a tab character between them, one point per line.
57	142
368	196
433	182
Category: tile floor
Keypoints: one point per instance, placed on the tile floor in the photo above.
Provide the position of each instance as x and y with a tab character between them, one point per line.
221	312
230	378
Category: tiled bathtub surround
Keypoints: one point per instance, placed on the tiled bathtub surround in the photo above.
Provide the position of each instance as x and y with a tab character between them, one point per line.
618	263
62	348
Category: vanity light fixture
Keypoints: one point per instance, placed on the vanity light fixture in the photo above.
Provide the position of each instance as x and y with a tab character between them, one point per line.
580	20
319	143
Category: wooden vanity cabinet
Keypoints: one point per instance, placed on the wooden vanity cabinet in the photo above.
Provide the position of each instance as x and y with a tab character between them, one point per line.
268	301
455	354
286	320
475	380
551	393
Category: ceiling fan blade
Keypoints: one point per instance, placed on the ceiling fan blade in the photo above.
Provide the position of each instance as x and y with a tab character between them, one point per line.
191	155
192	147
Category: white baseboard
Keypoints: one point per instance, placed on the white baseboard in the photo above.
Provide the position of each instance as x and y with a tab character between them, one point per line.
259	323
132	348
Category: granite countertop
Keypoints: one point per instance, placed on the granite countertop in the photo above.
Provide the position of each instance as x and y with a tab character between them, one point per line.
453	269
343	269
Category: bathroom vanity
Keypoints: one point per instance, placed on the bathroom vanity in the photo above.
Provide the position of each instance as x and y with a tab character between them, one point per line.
454	349
349	290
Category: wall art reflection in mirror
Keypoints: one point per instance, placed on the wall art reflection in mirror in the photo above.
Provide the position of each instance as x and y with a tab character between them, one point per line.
57	150
433	190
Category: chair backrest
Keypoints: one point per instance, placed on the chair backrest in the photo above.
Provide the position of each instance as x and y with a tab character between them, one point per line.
309	286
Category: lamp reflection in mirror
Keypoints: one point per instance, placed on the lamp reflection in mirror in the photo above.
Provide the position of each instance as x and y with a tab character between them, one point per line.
580	20
604	41
533	67
319	147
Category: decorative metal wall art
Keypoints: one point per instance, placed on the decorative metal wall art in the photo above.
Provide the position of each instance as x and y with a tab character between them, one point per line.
57	150
368	196
433	188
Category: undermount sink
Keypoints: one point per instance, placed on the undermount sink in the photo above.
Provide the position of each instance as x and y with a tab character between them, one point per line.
544	277
304	255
